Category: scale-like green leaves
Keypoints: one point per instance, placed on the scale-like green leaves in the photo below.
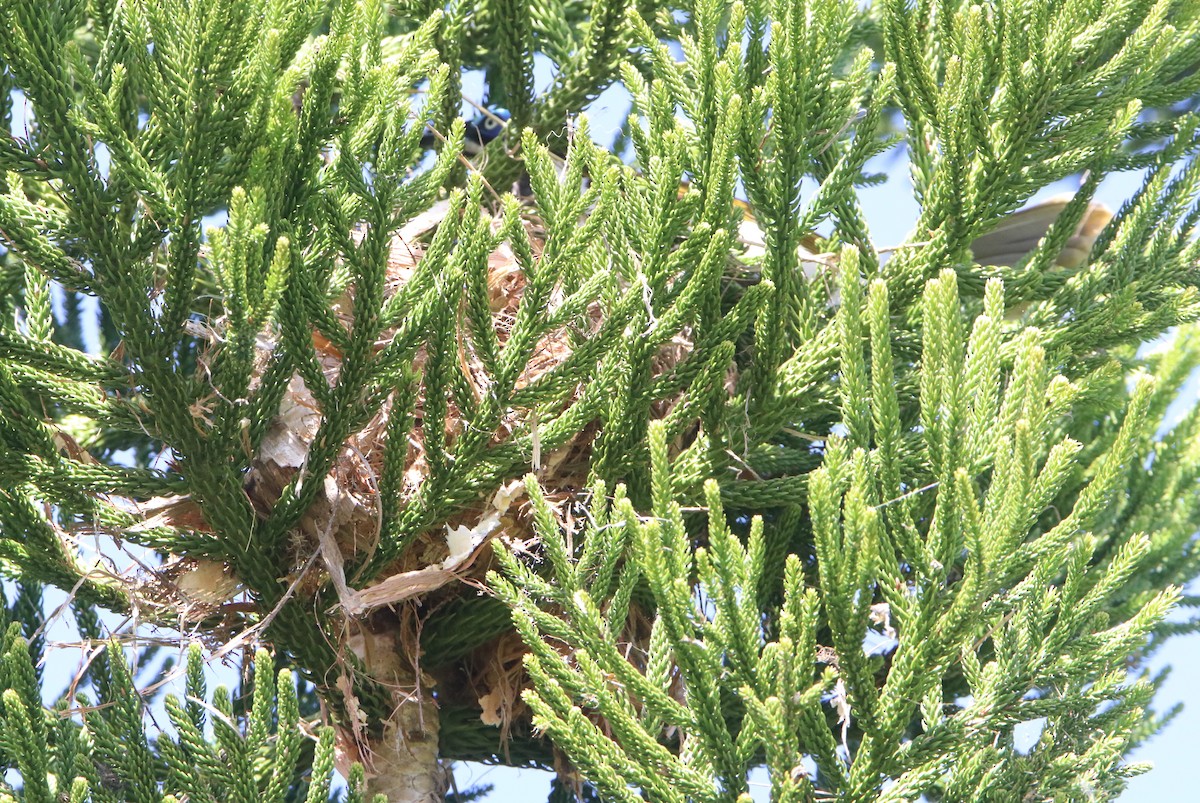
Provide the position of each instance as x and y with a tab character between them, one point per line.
871	507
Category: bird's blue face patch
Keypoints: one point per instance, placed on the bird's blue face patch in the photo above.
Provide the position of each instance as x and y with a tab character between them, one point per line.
490	125
483	129
480	131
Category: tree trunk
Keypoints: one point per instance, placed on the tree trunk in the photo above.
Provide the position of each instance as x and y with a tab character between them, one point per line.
402	764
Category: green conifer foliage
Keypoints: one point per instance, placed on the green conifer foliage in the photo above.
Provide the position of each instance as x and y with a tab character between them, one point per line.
736	493
104	755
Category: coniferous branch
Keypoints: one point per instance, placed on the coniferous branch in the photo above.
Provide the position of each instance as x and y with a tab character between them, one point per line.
109	757
1032	653
339	384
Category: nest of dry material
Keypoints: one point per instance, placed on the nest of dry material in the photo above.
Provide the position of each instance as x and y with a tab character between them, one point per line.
342	526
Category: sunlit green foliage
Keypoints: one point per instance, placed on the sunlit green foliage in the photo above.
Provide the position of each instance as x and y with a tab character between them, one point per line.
797	501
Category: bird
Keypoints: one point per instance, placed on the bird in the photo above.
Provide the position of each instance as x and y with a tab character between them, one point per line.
1017	234
485	127
1012	239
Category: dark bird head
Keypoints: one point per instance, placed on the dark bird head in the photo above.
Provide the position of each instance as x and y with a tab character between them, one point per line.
479	132
485	128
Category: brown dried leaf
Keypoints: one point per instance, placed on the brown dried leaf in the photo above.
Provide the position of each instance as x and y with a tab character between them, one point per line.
490	703
170	511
